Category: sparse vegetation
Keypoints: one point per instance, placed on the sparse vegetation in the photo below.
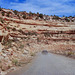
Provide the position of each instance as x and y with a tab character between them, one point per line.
32	53
7	43
21	38
15	11
3	13
14	29
30	13
18	16
56	17
7	15
8	28
70	53
0	9
67	20
41	15
15	62
24	16
1	20
32	33
38	40
21	46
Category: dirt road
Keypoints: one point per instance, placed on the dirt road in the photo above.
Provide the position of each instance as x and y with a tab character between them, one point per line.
49	64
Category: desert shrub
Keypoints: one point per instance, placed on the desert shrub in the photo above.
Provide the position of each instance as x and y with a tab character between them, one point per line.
55	17
32	33
67	20
28	44
37	12
20	30
21	46
0	9
30	13
46	34
72	20
38	40
15	12
15	62
1	20
3	13
32	53
41	15
7	15
7	43
8	27
24	16
18	16
70	53
14	29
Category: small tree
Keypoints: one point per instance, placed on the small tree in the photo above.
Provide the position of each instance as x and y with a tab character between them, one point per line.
24	16
70	16
18	16
72	20
30	13
15	11
63	15
41	15
37	12
56	17
1	20
7	15
3	13
0	8
67	20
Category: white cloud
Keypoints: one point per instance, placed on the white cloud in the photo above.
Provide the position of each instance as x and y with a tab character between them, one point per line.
58	7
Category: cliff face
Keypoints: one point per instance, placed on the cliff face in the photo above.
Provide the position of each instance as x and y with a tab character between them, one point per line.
20	39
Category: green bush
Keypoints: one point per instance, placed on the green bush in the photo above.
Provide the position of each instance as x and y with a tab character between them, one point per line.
67	20
15	62
18	16
38	40
56	17
46	34
70	53
0	9
32	54
3	13
1	20
14	29
41	15
21	46
7	15
24	16
8	28
7	43
15	11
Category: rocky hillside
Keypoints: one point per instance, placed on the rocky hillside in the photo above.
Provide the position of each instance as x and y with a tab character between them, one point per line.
34	16
21	38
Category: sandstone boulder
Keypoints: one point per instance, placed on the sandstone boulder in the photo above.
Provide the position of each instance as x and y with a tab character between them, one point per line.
25	52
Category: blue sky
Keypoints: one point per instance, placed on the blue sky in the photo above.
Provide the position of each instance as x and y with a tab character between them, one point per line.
48	7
